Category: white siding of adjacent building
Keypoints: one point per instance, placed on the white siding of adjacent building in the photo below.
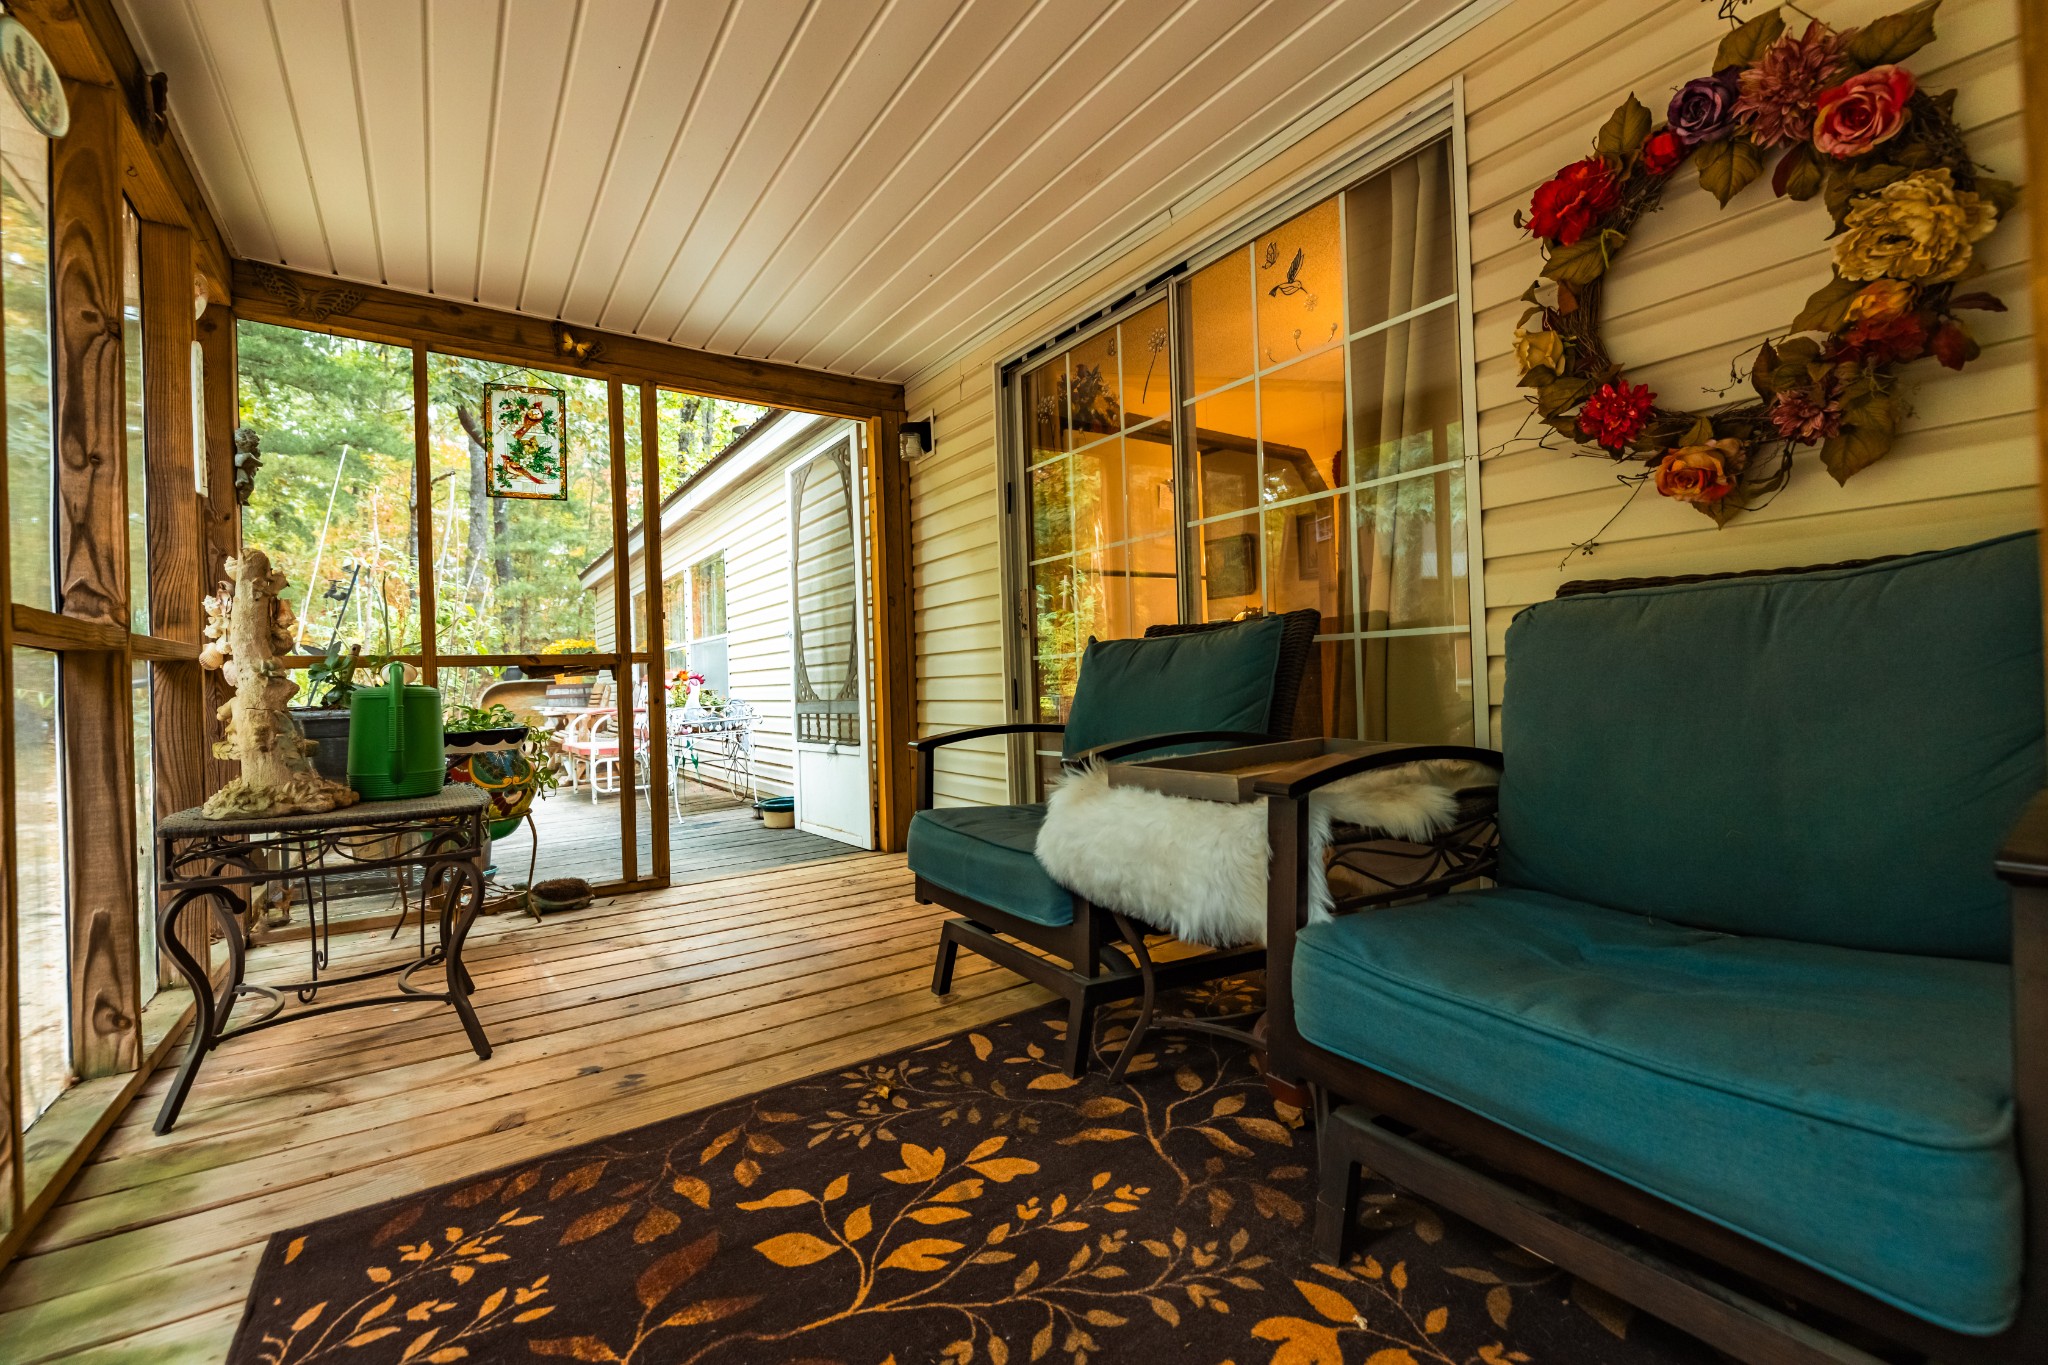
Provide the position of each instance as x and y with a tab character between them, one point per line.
1698	285
748	523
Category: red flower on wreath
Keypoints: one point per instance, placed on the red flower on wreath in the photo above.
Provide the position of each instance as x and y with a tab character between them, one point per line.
1662	153
1568	204
1616	413
1884	340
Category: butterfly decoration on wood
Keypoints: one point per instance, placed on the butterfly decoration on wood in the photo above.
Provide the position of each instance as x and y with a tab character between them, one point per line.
577	352
313	305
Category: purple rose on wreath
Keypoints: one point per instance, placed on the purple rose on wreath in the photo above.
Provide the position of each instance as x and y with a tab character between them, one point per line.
1703	110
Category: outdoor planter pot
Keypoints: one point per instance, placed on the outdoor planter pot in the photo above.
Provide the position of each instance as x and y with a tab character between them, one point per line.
496	761
326	726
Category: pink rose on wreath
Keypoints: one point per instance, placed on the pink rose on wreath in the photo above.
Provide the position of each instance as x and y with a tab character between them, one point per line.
1862	111
1616	413
1568	204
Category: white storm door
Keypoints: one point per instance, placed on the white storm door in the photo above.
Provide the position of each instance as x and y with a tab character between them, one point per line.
828	646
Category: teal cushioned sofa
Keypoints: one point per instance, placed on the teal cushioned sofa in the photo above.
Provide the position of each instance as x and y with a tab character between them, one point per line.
1746	978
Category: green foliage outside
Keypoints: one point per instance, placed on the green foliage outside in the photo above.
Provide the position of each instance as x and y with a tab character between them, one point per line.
335	502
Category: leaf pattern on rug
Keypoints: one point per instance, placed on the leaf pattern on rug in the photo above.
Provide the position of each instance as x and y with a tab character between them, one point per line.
962	1202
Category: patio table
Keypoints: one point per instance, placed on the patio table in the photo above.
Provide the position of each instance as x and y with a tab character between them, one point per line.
221	861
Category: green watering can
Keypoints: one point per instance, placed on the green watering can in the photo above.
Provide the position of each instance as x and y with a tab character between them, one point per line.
394	739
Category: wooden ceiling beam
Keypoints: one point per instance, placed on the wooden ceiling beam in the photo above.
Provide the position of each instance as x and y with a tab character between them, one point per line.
321	303
86	40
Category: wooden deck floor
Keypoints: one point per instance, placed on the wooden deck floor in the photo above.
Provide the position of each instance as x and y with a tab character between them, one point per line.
711	834
638	1008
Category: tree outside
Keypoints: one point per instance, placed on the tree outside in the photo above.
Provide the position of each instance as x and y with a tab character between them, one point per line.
336	505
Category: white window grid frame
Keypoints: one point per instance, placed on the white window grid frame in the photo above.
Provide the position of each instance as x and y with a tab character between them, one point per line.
1438	115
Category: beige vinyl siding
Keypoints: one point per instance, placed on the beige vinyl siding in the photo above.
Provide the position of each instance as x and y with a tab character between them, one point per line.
956	532
1697	285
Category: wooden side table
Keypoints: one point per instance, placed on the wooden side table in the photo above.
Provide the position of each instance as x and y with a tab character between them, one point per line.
220	861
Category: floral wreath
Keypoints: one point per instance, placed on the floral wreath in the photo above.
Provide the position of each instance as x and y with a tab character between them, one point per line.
1908	204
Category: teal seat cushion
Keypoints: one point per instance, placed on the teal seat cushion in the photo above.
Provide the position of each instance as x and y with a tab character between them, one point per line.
1852	1109
984	853
1831	757
1207	680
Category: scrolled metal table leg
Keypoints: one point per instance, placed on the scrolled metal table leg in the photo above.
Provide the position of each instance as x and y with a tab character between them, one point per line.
465	898
210	1016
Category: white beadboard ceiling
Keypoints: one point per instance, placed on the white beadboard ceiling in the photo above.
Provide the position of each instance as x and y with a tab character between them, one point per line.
855	185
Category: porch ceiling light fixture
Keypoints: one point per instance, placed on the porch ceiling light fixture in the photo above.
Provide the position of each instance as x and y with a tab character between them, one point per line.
916	438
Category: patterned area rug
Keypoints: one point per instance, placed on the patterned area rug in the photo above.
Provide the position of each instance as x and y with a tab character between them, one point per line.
963	1202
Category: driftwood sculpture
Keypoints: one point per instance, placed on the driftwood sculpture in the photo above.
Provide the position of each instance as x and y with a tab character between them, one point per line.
248	624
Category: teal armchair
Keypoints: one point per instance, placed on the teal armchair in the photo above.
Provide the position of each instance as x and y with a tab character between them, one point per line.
1178	688
1747	981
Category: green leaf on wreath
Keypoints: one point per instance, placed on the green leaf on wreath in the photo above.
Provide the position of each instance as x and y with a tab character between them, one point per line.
1827	310
1727	166
1893	38
1560	395
1870	418
1799	174
1700	432
1583	262
1760	372
1625	131
1538	376
1746	45
2002	195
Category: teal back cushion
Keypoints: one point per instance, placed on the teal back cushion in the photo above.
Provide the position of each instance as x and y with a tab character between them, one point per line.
1830	757
1207	680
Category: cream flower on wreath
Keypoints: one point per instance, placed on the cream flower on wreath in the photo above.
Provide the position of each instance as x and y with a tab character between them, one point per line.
1543	348
1916	228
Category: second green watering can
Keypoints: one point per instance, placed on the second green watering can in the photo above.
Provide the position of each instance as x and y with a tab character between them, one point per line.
394	739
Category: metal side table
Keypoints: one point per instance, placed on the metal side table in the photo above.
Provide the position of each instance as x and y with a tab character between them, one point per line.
221	861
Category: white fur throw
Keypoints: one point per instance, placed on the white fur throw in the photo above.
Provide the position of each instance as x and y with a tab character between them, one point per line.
1197	869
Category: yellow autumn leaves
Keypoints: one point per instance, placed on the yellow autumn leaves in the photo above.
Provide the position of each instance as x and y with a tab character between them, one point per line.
923	1166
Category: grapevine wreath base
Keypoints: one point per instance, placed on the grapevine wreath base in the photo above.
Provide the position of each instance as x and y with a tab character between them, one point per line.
1846	122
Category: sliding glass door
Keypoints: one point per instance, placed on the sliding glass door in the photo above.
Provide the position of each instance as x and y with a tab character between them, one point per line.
1281	428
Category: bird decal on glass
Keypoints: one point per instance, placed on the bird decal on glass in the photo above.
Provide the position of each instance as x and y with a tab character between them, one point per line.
1293	283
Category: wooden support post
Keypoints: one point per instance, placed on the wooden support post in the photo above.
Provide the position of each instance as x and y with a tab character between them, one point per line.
2033	17
221	515
92	561
423	518
12	1194
895	767
622	638
657	633
180	735
85	269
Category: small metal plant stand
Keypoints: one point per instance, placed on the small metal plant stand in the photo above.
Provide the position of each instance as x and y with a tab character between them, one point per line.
222	861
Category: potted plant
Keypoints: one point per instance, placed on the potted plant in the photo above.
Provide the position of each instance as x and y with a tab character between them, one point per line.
324	719
492	748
